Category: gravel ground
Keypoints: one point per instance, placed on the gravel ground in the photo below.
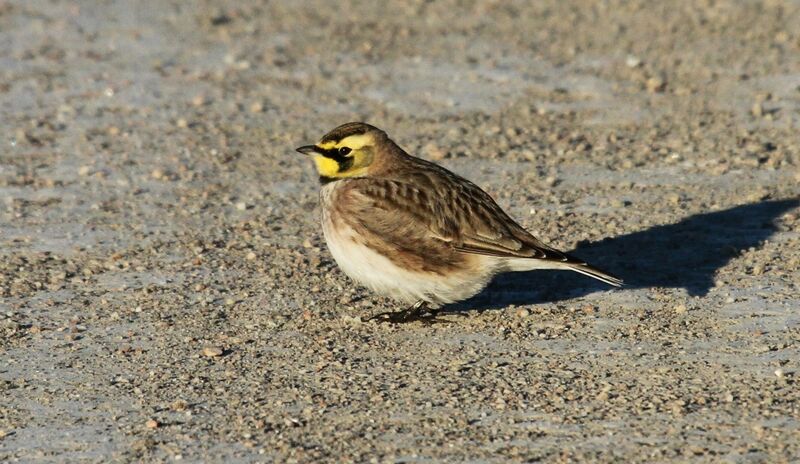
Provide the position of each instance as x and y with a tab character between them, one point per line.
165	292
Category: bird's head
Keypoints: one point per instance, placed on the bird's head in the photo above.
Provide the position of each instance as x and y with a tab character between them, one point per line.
350	150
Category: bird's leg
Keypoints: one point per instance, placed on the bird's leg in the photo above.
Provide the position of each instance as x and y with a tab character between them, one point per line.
416	312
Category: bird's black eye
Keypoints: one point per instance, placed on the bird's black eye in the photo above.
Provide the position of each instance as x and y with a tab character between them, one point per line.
344	151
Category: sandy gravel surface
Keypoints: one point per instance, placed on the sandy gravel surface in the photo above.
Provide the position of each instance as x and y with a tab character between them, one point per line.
165	292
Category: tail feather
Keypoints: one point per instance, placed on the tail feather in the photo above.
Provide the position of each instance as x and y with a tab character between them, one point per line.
592	271
568	262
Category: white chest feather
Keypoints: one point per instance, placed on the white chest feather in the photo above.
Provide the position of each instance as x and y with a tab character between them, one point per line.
369	268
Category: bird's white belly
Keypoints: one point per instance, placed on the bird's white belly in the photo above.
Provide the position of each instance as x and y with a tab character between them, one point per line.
384	277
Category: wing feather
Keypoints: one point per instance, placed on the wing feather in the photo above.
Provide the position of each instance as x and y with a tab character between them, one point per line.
451	209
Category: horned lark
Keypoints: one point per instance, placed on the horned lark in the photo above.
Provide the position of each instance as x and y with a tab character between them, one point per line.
414	231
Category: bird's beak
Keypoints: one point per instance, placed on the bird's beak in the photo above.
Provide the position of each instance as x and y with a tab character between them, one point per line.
308	149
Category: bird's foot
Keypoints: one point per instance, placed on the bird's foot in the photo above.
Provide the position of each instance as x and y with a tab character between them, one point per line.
418	312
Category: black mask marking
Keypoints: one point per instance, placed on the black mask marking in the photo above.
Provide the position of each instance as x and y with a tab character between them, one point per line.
344	162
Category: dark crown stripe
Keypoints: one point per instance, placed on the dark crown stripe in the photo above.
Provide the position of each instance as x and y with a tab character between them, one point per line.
346	130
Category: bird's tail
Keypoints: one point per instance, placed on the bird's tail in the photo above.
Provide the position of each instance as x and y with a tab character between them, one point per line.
592	271
565	262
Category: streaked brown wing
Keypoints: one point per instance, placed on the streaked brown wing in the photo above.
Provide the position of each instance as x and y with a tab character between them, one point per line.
451	209
392	228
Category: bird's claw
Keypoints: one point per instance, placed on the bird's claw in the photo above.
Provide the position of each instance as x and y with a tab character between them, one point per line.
413	314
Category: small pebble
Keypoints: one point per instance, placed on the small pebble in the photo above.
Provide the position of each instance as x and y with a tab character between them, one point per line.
633	61
680	308
212	351
779	373
655	85
152	424
757	110
250	256
241	206
179	405
256	107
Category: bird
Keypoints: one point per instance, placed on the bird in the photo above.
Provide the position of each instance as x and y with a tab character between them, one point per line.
412	230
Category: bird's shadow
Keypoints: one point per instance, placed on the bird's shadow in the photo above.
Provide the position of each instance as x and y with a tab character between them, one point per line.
686	254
